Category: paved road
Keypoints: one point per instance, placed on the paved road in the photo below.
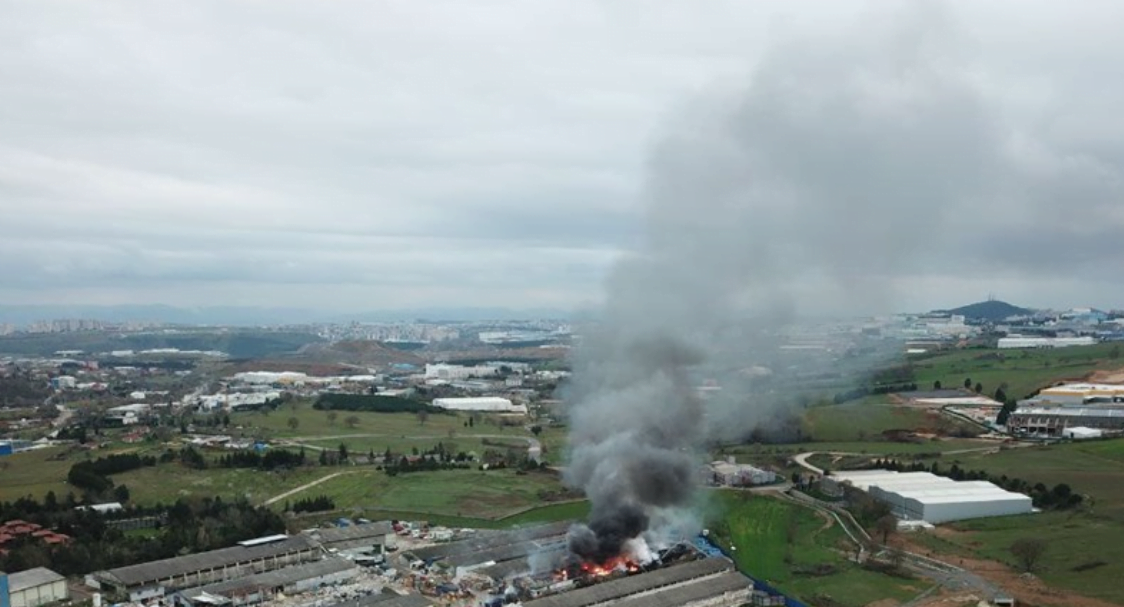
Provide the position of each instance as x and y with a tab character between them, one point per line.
802	458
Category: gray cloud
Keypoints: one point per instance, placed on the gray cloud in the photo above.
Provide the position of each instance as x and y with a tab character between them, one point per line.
203	152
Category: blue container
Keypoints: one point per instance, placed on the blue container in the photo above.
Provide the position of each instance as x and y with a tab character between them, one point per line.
4	596
6	448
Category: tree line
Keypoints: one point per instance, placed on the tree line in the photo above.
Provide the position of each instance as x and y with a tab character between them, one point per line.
187	526
374	403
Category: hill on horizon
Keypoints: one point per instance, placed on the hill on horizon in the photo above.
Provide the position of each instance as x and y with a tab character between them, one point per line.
993	310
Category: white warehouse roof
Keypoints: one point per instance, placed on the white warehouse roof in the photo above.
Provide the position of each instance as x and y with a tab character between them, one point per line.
936	499
481	403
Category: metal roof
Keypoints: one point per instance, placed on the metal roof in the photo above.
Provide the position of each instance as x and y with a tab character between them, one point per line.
135	575
32	578
688	594
500	554
635	584
376	530
506	569
276	578
491	540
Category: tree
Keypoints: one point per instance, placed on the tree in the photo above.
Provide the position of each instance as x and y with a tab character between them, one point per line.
1000	395
967	383
979	387
121	493
886	526
937	385
536	430
293	423
332	416
343	452
352	421
423	415
1028	551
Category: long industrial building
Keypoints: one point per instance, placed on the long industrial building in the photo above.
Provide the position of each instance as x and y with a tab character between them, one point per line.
935	499
247	558
1053	421
264	586
707	581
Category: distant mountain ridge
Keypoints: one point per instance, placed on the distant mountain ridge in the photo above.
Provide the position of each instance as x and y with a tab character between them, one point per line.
993	310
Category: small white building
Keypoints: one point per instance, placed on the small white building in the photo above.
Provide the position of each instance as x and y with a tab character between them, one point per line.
1081	432
36	587
448	372
490	404
732	474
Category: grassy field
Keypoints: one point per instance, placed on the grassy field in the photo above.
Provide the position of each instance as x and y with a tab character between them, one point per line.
35	473
167	482
862	421
1094	533
1023	370
464	493
563	511
759	527
313	423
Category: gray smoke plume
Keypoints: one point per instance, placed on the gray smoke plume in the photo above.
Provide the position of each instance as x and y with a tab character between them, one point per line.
807	188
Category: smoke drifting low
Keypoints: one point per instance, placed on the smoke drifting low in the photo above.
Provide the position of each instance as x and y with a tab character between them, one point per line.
806	188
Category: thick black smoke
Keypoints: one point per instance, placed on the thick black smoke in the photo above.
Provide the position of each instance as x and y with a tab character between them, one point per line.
813	183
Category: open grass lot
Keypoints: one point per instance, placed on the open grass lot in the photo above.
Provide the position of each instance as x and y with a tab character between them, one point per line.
1023	370
166	483
313	423
34	473
759	527
859	421
1094	533
489	494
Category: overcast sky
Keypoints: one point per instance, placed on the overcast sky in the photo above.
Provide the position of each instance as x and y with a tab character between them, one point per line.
376	155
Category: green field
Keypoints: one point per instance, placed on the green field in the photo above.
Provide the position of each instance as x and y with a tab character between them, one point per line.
35	473
1023	370
1093	533
860	421
489	494
759	528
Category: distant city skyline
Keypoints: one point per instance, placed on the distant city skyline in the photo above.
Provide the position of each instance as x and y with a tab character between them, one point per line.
352	158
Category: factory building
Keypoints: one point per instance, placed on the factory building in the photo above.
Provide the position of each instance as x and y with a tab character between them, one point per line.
33	588
490	404
262	587
729	473
921	496
711	582
1081	394
1054	421
1019	341
365	542
152	579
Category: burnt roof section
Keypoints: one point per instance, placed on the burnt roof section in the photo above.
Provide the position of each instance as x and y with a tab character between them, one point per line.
625	587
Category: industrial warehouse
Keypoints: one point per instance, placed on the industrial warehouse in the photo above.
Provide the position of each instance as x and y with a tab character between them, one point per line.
530	566
921	496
